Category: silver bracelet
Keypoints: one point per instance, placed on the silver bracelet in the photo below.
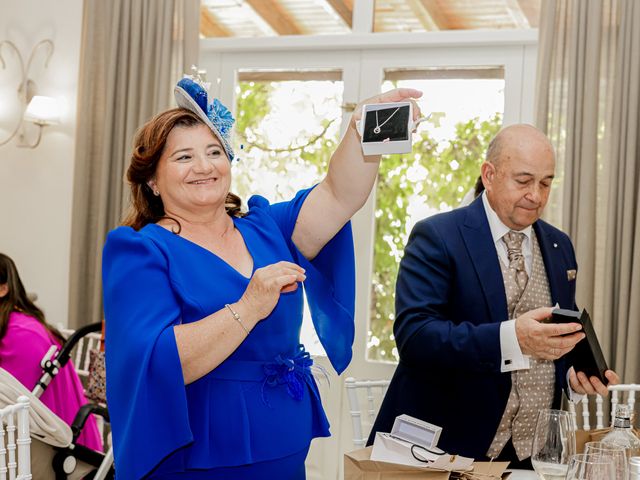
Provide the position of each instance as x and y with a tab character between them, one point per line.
237	317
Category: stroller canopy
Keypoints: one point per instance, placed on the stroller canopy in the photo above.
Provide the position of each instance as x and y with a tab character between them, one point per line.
44	424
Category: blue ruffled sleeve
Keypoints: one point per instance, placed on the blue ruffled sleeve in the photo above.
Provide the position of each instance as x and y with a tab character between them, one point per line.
330	283
145	386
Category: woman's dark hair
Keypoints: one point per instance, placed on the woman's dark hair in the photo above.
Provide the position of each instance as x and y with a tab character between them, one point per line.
148	146
16	299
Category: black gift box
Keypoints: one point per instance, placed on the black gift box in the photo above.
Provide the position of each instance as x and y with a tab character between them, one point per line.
587	355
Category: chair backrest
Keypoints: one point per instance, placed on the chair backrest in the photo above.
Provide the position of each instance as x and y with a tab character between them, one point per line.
581	412
364	396
617	396
15	450
81	352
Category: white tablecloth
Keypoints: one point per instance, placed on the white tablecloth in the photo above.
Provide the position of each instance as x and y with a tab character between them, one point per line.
523	475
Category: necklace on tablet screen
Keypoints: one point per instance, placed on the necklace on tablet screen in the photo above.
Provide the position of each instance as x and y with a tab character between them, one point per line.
380	125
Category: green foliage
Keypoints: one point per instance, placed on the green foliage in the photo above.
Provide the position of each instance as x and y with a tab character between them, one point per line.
434	175
262	165
253	106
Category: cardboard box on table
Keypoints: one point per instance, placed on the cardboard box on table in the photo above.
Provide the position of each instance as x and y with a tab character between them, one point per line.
359	466
584	436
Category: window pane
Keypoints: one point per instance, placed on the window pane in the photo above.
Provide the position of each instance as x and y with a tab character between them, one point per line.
288	129
466	106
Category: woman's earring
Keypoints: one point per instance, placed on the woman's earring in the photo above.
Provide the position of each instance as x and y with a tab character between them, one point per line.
152	186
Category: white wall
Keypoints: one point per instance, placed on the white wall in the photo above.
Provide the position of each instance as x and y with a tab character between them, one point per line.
36	185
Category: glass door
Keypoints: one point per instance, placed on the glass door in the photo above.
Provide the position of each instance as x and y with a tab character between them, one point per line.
468	93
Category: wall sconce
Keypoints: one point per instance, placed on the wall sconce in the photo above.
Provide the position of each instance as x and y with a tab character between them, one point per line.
41	111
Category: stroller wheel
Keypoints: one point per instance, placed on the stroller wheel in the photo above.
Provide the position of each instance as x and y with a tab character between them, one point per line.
69	464
64	465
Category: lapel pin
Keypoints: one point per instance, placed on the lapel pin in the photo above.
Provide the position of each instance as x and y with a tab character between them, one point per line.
555	245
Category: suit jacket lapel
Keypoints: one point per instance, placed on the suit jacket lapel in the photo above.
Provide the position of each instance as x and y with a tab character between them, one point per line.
554	265
477	237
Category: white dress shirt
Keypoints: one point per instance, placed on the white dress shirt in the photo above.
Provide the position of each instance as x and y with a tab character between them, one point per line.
511	353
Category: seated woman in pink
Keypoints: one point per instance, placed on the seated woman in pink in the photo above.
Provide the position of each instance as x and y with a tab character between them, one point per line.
25	337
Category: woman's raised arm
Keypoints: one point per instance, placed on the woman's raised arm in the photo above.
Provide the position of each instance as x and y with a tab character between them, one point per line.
347	185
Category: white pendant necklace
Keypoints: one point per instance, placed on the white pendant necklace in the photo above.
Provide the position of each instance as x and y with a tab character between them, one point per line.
380	125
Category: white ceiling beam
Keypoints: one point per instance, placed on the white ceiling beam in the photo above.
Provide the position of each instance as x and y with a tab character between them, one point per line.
434	9
532	11
514	8
377	41
422	14
363	14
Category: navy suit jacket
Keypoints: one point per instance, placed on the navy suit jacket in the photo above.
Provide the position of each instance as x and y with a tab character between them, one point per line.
450	301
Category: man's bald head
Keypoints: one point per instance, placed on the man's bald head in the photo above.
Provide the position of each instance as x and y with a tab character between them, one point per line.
515	138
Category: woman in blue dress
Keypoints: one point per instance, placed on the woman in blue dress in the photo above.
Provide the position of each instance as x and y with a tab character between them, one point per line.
205	374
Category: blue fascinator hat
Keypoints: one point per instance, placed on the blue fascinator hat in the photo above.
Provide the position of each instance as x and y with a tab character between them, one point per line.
191	93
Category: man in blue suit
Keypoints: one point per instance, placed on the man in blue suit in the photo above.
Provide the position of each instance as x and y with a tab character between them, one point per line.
474	294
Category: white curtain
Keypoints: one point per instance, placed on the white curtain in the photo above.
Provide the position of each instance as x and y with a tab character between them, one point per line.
588	103
132	54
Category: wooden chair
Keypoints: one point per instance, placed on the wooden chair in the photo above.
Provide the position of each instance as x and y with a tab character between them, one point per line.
15	450
372	393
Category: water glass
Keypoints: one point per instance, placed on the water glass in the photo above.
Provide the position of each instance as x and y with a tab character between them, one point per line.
634	468
587	466
617	454
554	442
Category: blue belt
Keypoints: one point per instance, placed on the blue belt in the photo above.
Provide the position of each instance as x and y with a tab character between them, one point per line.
293	370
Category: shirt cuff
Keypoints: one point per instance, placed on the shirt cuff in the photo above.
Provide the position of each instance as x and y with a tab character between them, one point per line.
512	356
573	396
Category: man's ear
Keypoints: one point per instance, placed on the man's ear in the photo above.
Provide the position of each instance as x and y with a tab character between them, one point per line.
488	173
4	289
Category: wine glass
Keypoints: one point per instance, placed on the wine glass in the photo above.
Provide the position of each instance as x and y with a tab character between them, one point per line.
554	442
617	454
589	466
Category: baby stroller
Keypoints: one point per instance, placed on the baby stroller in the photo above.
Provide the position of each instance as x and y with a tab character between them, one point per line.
55	453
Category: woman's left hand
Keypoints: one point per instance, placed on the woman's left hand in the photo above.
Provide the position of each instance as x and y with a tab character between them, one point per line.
395	95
